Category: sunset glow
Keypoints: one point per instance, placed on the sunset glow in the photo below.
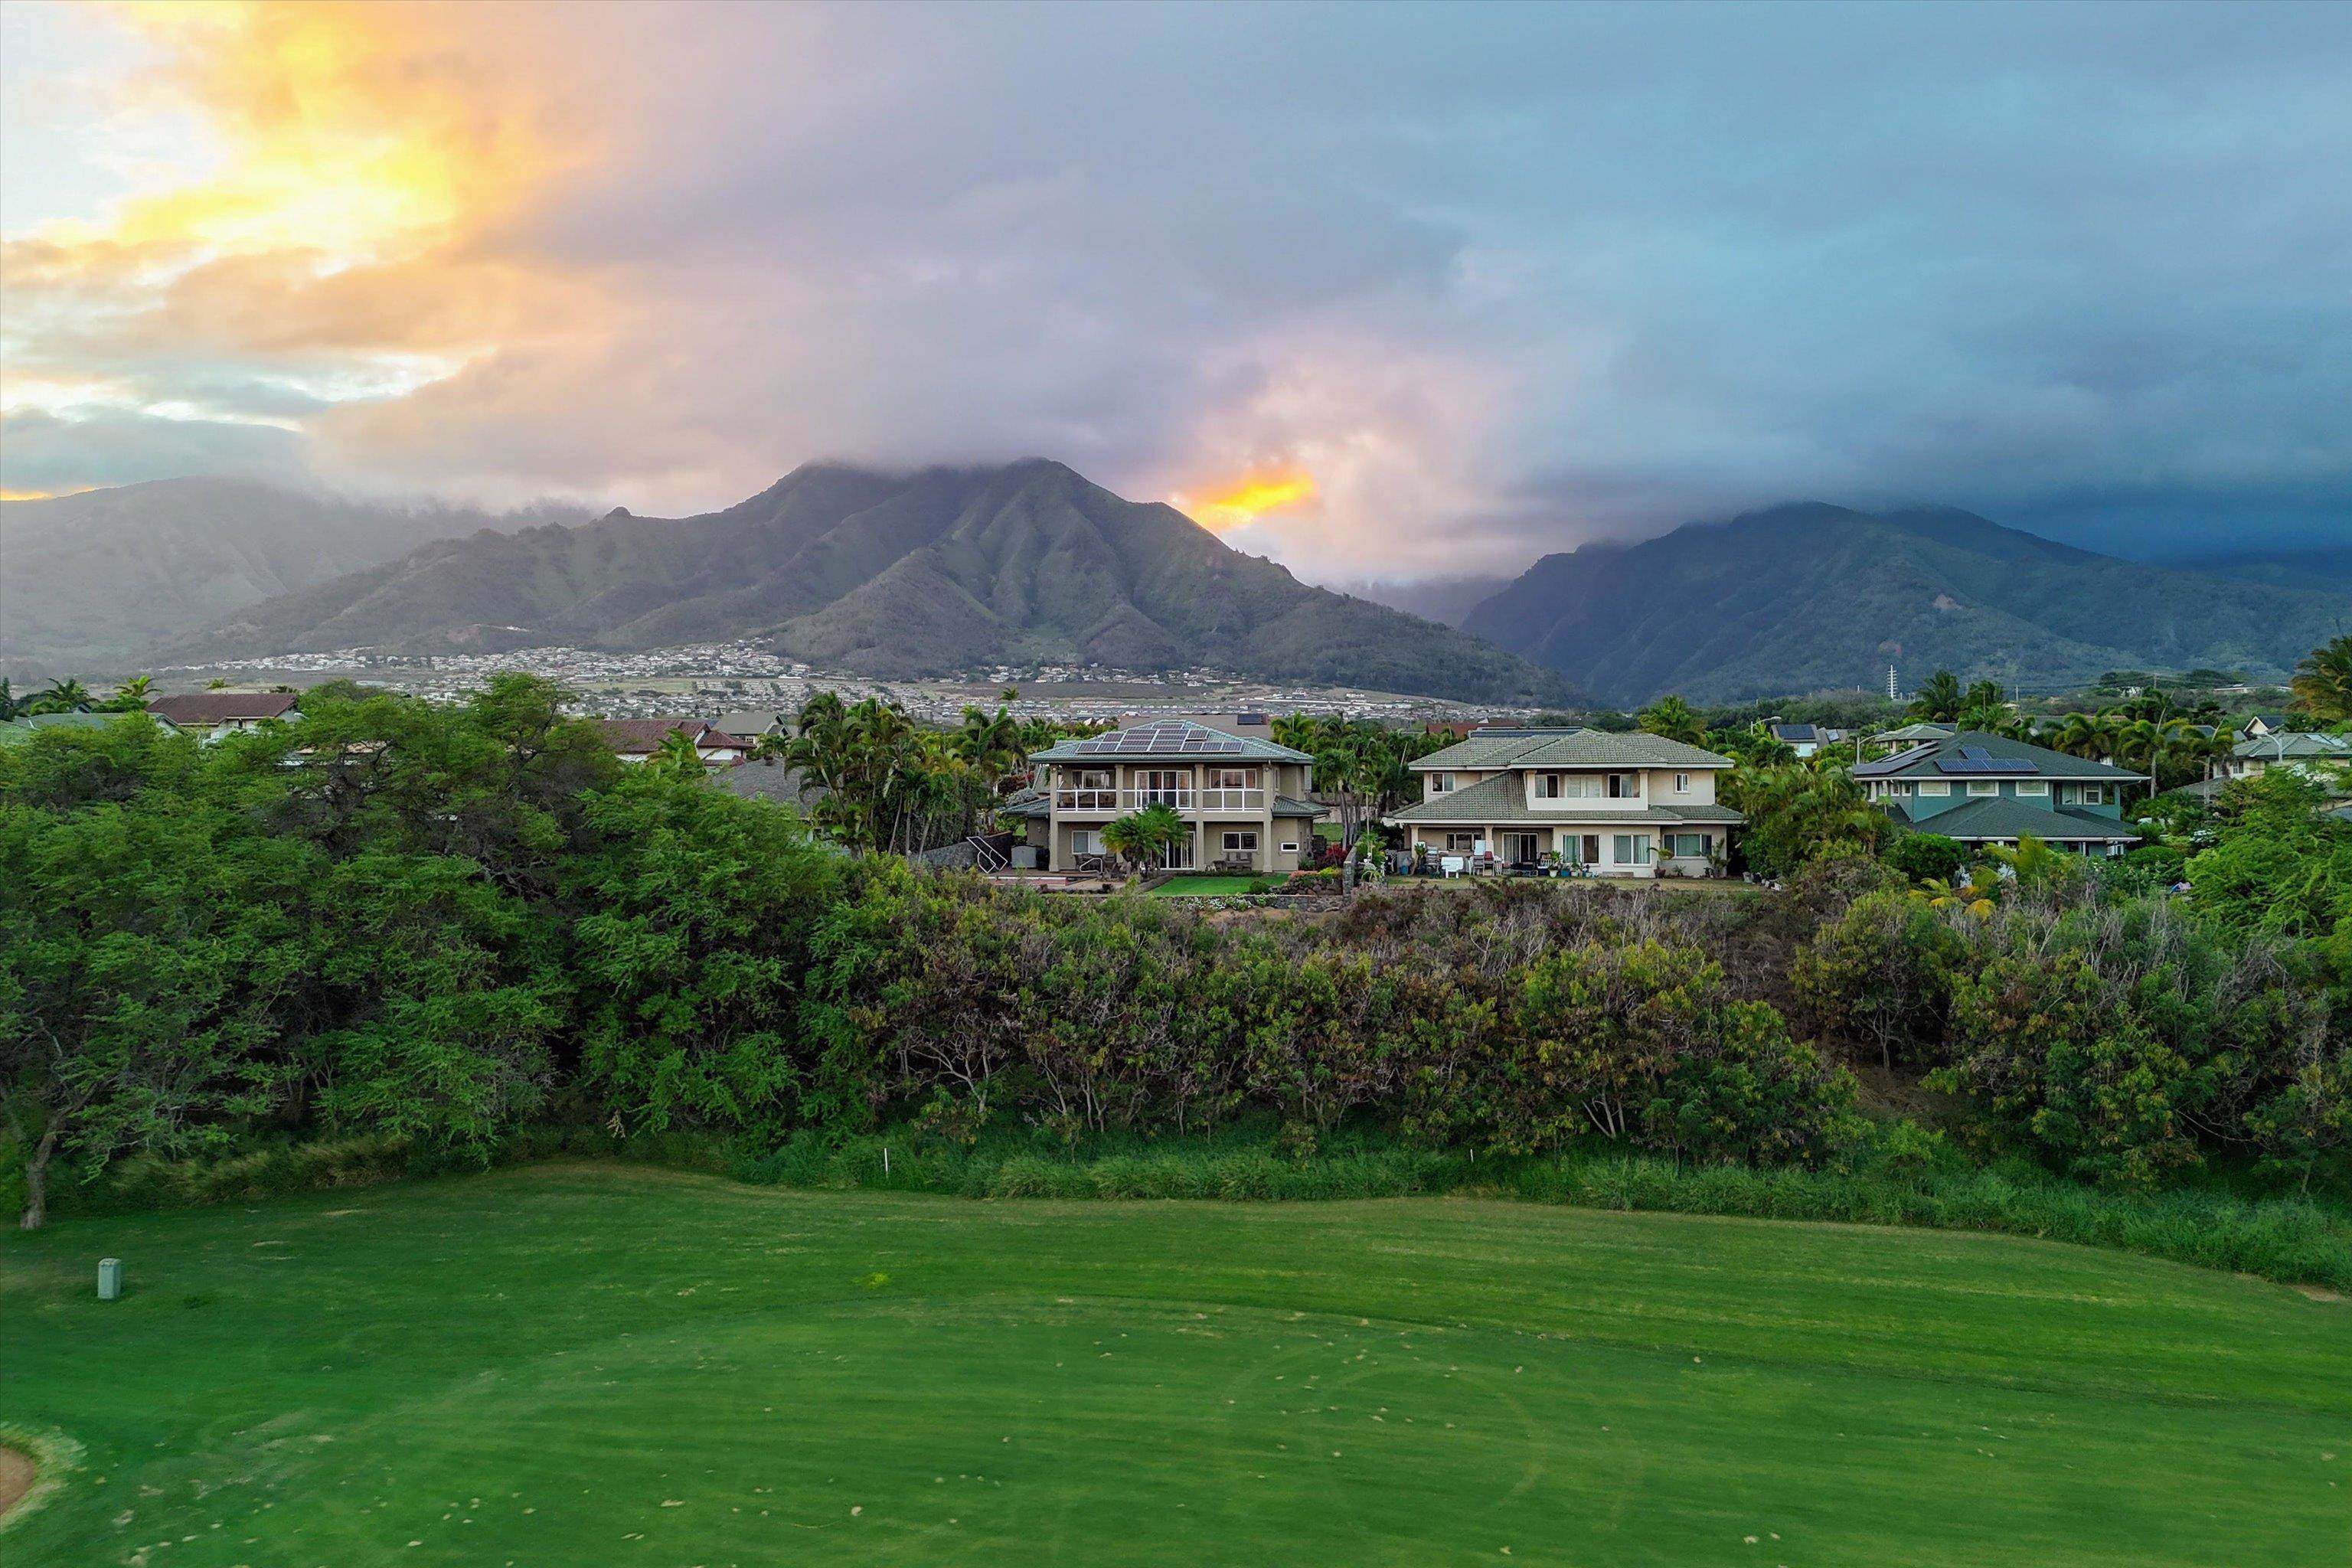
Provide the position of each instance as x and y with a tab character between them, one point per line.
1231	506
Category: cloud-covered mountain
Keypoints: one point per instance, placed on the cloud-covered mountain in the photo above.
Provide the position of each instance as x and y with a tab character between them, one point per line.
1809	596
96	578
894	575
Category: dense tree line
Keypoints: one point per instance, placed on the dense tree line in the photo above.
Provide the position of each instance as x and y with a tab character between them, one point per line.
449	922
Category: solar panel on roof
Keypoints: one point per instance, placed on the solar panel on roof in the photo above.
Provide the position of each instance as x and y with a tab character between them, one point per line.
1984	764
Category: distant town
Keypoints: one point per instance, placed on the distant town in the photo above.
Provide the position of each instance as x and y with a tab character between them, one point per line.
704	679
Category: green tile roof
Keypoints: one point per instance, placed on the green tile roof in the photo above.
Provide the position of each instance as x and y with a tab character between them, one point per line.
1505	799
2005	816
1920	761
2294	744
1568	749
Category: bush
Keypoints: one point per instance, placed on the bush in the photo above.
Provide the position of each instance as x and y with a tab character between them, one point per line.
1923	857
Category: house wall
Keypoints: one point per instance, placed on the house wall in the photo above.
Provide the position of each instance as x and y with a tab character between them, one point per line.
1559	841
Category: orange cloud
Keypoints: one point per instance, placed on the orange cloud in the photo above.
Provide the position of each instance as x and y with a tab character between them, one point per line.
339	232
1239	502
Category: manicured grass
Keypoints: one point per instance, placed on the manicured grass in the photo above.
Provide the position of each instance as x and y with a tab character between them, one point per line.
600	1364
1202	886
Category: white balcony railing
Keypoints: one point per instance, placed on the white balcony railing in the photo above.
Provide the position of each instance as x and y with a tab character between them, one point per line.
1117	801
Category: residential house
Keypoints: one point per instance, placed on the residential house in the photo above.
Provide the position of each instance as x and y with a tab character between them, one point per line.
2308	753
212	714
1982	788
2261	724
1805	739
1241	796
635	739
1614	804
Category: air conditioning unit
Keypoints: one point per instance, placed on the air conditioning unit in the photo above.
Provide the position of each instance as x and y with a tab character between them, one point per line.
1024	857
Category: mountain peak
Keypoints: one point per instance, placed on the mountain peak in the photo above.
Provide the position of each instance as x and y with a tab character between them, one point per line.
893	575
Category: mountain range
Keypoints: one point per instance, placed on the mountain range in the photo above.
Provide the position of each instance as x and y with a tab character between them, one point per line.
890	575
1811	596
100	576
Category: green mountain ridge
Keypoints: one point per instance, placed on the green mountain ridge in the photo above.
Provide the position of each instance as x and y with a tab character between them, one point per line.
892	576
98	577
1810	596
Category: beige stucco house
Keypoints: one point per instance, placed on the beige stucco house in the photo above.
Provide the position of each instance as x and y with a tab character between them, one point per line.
1242	796
1614	805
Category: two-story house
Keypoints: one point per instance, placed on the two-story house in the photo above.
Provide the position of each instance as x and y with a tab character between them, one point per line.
1615	804
1241	796
1982	788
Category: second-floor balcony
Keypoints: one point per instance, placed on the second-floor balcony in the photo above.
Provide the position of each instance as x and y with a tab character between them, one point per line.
1181	797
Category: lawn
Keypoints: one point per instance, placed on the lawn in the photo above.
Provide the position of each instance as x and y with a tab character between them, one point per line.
581	1364
1204	886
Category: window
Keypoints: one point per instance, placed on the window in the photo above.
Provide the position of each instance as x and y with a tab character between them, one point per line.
1567	786
2094	794
1233	778
1241	841
1460	843
1082	842
1290	849
1686	846
1161	787
1439	784
1632	848
1626	787
1984	787
1935	787
2034	786
1682	784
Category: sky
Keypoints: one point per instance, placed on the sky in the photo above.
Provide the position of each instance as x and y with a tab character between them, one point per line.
1381	292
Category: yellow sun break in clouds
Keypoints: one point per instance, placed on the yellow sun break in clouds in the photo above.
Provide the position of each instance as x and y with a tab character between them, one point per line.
353	157
1246	501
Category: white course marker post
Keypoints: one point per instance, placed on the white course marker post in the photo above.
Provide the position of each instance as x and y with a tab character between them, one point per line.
110	1278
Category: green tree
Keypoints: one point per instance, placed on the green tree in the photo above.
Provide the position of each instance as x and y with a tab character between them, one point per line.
1673	719
1940	699
677	756
141	956
1143	839
66	695
2322	682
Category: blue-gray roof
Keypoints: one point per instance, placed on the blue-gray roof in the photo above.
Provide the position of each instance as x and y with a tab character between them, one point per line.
1975	753
2007	818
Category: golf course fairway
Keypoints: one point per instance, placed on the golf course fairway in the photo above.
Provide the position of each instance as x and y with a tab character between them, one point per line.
598	1366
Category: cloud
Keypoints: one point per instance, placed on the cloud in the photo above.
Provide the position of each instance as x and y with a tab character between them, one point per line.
1495	281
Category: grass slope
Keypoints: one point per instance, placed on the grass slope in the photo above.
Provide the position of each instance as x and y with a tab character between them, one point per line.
568	1364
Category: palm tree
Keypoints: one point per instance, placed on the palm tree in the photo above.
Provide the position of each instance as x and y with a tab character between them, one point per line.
1974	896
1143	837
1983	694
1296	730
66	696
677	756
2322	682
8	700
1672	718
1940	699
130	696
